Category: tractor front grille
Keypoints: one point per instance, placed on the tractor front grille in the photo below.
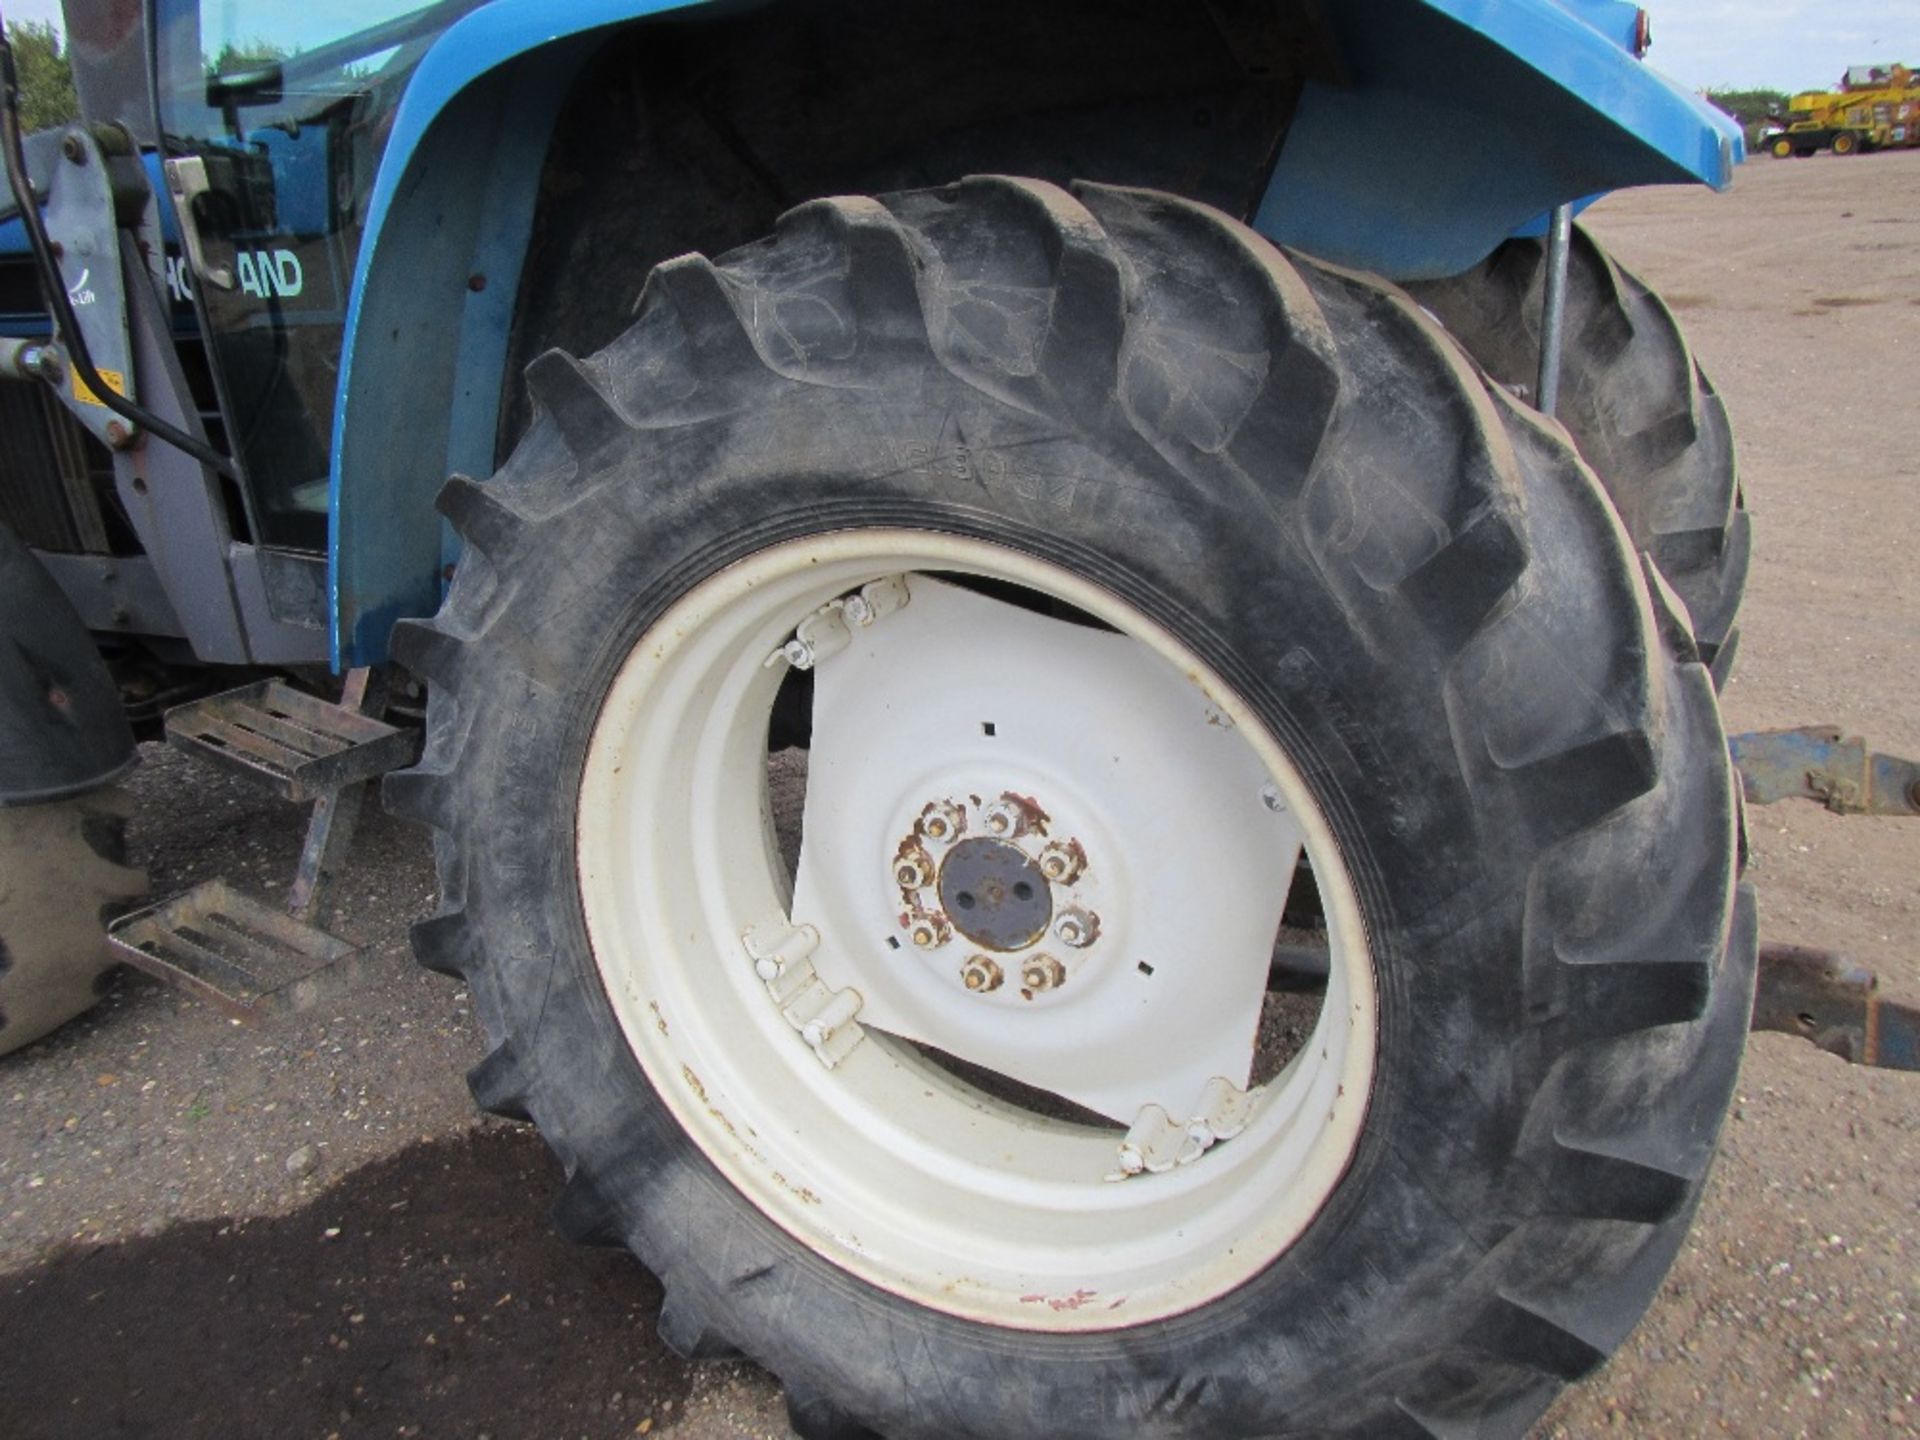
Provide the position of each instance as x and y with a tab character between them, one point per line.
52	473
56	480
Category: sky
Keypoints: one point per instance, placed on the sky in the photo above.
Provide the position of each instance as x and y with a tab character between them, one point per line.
1771	44
1779	44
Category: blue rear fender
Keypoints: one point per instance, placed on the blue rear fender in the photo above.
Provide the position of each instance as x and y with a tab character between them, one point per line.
1464	121
1452	124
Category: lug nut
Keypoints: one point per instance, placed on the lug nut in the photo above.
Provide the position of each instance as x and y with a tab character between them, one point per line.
1042	972
943	821
912	868
1078	928
929	931
981	975
1062	861
1009	817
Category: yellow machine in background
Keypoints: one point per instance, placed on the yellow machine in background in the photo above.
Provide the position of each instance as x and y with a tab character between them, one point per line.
1876	108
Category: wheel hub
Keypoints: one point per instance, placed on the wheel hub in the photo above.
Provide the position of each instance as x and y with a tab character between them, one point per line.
995	895
1095	921
1001	894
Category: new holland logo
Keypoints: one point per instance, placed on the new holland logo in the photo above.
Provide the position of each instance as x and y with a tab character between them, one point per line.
179	279
80	292
266	273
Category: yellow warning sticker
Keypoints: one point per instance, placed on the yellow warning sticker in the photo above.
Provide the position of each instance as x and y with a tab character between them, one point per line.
83	392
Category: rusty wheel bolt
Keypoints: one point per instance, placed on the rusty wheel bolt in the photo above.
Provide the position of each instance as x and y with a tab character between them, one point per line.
1042	972
1007	818
943	821
912	868
1062	862
1077	928
929	932
981	975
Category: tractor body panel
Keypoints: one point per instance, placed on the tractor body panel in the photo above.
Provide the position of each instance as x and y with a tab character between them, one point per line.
383	197
1462	123
1393	163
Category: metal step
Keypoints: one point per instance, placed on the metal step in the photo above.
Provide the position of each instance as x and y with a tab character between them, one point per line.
300	746
251	960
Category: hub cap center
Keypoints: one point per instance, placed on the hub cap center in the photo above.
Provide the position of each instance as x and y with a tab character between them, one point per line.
995	894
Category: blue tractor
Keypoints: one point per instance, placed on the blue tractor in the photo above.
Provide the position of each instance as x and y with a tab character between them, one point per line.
1068	653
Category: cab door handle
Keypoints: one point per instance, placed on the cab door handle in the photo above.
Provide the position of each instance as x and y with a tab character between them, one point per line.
187	179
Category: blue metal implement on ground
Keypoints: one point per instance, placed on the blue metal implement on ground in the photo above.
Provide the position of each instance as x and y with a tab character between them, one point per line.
1073	815
1824	998
1817	763
1809	992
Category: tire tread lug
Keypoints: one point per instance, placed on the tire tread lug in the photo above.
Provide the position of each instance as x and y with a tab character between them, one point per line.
499	1084
814	1417
589	422
583	1216
1594	1182
443	944
1516	1331
719	344
480	517
855	317
426	648
421	794
688	1331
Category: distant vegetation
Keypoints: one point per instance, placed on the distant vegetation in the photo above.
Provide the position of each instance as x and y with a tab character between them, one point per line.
46	76
245	55
1752	108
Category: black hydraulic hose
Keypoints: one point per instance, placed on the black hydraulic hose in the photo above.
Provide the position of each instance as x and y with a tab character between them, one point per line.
63	316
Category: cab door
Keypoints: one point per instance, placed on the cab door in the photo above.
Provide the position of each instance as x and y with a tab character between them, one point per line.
272	118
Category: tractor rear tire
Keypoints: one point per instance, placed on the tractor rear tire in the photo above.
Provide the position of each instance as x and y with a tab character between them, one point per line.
1639	407
1117	416
62	876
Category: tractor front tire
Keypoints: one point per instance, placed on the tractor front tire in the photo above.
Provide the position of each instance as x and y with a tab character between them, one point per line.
1122	544
62	875
1639	407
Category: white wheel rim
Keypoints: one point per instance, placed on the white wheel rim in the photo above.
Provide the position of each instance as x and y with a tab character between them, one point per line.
886	1164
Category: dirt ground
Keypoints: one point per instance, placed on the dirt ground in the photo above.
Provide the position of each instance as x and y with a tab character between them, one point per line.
210	1230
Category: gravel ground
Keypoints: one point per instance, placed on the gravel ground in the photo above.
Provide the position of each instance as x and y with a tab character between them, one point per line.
310	1217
